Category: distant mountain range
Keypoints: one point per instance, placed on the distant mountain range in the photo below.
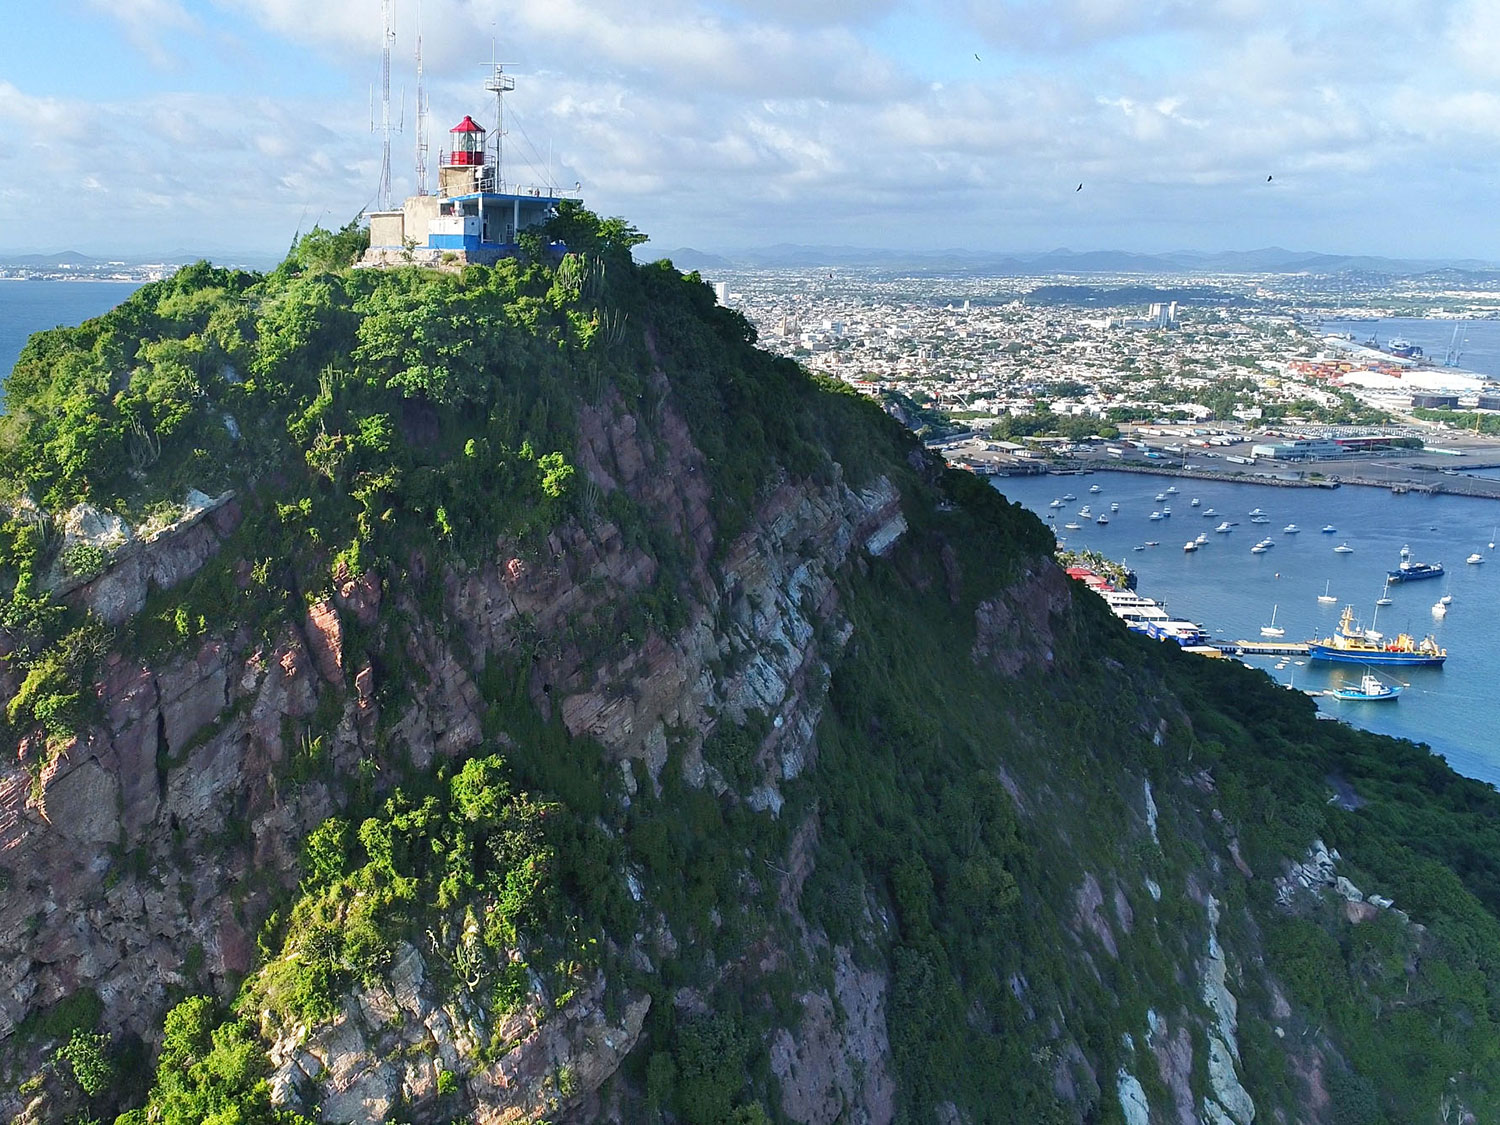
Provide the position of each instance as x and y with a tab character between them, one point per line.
73	260
1272	259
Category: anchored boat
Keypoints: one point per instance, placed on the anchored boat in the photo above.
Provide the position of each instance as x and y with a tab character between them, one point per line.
1352	644
1371	689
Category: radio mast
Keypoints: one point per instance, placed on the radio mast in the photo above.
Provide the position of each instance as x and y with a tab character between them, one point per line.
387	39
499	83
421	112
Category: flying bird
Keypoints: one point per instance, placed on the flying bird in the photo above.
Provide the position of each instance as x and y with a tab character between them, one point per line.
1078	188
977	58
1268	179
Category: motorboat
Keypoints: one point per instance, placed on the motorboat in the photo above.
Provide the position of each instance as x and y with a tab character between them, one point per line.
1259	549
1190	546
1073	525
1329	529
1371	689
1200	539
1209	513
1256	512
1085	511
1069	496
1446	599
1224	528
1095	488
1103	519
1055	504
1114	507
1160	496
1273	629
1154	516
1439	609
1153	542
1343	549
1194	502
1171	490
1166	510
1475	559
1260	519
1290	529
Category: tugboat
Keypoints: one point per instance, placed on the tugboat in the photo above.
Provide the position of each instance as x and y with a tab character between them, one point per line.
1371	689
1352	644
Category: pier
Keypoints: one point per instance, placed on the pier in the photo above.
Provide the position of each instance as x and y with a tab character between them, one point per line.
1261	648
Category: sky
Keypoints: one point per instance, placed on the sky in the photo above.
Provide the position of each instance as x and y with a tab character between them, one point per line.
139	127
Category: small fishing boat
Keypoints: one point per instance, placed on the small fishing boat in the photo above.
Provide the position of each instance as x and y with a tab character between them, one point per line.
1325	597
1273	629
1371	689
1343	549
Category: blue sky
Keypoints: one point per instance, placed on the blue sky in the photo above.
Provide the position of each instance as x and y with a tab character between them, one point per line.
220	126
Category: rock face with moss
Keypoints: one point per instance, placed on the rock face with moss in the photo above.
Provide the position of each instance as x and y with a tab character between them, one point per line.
567	712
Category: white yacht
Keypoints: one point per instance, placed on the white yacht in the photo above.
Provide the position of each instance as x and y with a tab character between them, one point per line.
1343	549
1290	529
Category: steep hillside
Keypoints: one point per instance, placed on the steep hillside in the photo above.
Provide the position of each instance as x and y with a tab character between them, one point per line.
506	695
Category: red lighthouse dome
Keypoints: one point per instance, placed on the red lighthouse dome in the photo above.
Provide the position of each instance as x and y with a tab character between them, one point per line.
468	144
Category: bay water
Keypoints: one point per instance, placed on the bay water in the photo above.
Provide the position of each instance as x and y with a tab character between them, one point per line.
32	306
1232	592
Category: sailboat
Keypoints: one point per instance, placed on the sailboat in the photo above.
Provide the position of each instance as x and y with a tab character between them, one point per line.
1325	597
1273	629
1385	596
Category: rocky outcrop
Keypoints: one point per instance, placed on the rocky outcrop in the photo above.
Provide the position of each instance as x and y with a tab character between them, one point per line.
1014	631
160	560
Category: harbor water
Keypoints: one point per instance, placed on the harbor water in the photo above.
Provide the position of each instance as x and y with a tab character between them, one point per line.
1232	592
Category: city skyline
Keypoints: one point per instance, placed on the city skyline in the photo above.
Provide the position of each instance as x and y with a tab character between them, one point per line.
155	126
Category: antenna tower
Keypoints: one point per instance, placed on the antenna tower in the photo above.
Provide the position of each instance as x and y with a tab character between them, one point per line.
499	83
421	112
387	38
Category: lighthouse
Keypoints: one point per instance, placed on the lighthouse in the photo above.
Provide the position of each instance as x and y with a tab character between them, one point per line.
476	217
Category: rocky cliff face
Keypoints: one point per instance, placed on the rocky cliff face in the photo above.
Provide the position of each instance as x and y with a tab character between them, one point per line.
144	855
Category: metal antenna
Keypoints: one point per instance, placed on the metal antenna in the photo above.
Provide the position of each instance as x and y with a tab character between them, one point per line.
499	83
387	39
421	112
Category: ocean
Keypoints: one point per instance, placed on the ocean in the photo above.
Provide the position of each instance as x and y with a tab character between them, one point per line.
1231	592
1477	342
32	306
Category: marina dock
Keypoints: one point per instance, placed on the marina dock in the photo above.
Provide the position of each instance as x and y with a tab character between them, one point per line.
1261	648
